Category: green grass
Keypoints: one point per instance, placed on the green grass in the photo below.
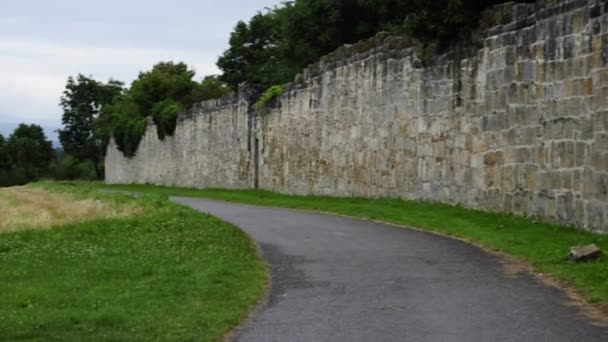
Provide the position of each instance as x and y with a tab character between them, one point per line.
168	274
545	246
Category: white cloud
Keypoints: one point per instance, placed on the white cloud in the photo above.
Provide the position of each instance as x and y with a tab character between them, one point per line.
33	73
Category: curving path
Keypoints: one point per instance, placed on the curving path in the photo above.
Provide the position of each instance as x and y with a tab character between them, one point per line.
340	279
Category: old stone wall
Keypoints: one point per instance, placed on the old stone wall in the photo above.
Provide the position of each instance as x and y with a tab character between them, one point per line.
518	124
211	147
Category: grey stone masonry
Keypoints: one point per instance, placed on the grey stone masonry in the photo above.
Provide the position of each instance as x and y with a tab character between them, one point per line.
211	147
518	124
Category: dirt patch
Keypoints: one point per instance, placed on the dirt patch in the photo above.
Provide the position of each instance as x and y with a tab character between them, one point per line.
34	208
513	267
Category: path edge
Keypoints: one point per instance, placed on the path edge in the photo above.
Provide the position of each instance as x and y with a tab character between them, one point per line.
597	314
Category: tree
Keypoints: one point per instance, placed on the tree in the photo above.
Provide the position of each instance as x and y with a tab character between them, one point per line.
254	55
330	24
273	46
6	171
211	87
82	103
166	80
4	158
66	167
29	151
161	93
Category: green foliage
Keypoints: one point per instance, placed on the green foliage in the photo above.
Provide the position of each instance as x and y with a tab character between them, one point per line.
30	150
212	87
274	45
128	132
168	274
24	156
544	245
82	103
165	116
67	167
161	93
166	81
269	95
4	157
254	55
313	28
8	174
12	177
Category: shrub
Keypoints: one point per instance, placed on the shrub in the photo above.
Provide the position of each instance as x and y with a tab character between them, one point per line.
70	168
267	97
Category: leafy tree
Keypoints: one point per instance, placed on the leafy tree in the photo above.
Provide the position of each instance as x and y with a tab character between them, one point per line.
8	175
66	167
166	80
277	44
29	151
82	103
211	87
4	158
273	46
255	53
4	163
163	92
444	22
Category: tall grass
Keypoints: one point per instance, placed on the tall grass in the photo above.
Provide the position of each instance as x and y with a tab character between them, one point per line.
25	207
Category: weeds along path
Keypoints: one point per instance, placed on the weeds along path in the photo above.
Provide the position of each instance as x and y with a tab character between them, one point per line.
341	279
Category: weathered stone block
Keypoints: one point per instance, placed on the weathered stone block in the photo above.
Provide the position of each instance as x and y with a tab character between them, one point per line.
493	158
585	253
588	186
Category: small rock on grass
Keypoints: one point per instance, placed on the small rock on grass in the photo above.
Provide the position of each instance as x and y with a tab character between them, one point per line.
585	253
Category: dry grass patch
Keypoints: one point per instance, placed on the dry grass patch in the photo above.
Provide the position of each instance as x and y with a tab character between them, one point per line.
28	207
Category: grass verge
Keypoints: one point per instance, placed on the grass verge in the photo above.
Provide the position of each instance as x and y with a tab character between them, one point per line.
167	273
544	245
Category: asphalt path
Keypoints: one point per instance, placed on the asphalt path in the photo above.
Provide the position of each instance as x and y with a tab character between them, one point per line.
342	279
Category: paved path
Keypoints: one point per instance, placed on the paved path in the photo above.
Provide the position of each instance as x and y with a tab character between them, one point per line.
340	279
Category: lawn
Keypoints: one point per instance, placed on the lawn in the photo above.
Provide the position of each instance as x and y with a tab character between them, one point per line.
122	269
543	245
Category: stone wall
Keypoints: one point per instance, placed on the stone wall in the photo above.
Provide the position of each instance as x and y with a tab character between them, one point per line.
517	125
211	147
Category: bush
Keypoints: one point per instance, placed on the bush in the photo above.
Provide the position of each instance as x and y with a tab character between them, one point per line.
267	97
128	133
69	168
12	177
164	114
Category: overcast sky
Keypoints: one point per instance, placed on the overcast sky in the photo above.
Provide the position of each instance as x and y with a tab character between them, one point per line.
43	42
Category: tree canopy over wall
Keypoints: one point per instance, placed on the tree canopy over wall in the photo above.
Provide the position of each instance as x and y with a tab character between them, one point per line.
278	43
